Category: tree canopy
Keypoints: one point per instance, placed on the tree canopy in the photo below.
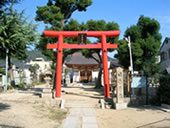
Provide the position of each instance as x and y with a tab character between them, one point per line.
57	12
15	36
5	3
15	33
55	15
145	43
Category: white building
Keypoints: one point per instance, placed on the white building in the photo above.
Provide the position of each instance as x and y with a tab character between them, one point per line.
43	65
165	55
21	68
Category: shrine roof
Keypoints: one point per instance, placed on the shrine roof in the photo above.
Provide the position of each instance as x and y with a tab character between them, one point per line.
79	59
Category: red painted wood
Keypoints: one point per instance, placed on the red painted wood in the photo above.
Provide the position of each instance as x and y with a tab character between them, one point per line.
52	46
75	33
111	46
82	46
78	46
105	67
59	66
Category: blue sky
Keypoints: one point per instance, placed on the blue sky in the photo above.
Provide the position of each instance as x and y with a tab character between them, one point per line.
123	12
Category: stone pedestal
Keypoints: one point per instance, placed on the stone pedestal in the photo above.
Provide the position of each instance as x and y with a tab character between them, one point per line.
120	104
47	92
49	100
165	106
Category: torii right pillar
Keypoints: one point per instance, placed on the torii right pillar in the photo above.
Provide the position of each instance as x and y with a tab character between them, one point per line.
105	67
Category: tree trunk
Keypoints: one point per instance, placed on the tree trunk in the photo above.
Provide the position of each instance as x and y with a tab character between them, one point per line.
62	25
98	83
11	73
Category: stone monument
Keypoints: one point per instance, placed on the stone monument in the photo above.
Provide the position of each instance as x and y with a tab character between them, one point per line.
120	104
67	80
47	89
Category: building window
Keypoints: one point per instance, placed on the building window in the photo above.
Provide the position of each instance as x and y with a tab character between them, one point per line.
163	56
166	41
82	73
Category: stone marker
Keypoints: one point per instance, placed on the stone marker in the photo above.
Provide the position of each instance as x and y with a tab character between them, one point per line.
67	80
120	104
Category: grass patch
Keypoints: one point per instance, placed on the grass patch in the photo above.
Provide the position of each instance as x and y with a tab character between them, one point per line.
36	84
39	83
52	113
57	114
10	87
21	85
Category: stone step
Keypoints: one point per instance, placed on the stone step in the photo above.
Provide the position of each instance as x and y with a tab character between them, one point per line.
108	106
47	90
85	101
79	105
164	109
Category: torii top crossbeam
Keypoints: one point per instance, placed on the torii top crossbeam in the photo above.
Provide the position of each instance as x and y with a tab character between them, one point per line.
60	45
75	33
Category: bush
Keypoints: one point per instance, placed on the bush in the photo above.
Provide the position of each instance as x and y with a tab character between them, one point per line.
164	89
2	71
10	87
21	85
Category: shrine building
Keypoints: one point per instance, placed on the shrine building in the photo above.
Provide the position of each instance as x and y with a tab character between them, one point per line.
84	70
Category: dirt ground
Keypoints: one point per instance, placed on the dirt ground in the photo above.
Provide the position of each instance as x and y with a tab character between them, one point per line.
132	117
143	117
23	109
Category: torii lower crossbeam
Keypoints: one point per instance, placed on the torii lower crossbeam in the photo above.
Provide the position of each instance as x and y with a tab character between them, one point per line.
60	45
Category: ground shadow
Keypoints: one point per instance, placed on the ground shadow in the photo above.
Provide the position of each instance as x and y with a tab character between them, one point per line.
99	95
99	90
84	95
4	107
8	126
31	89
155	124
84	87
34	91
145	107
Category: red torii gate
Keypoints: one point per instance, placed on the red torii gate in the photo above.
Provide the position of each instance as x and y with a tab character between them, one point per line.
60	45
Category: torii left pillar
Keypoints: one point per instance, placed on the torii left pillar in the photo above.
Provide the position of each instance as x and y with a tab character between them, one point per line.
60	46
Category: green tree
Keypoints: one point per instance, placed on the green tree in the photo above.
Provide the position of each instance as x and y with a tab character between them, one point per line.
163	91
16	34
55	15
145	43
5	3
57	12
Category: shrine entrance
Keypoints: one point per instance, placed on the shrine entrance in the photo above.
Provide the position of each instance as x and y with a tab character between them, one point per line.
60	45
85	76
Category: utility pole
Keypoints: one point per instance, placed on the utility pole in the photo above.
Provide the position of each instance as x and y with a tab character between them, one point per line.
131	61
130	52
6	72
